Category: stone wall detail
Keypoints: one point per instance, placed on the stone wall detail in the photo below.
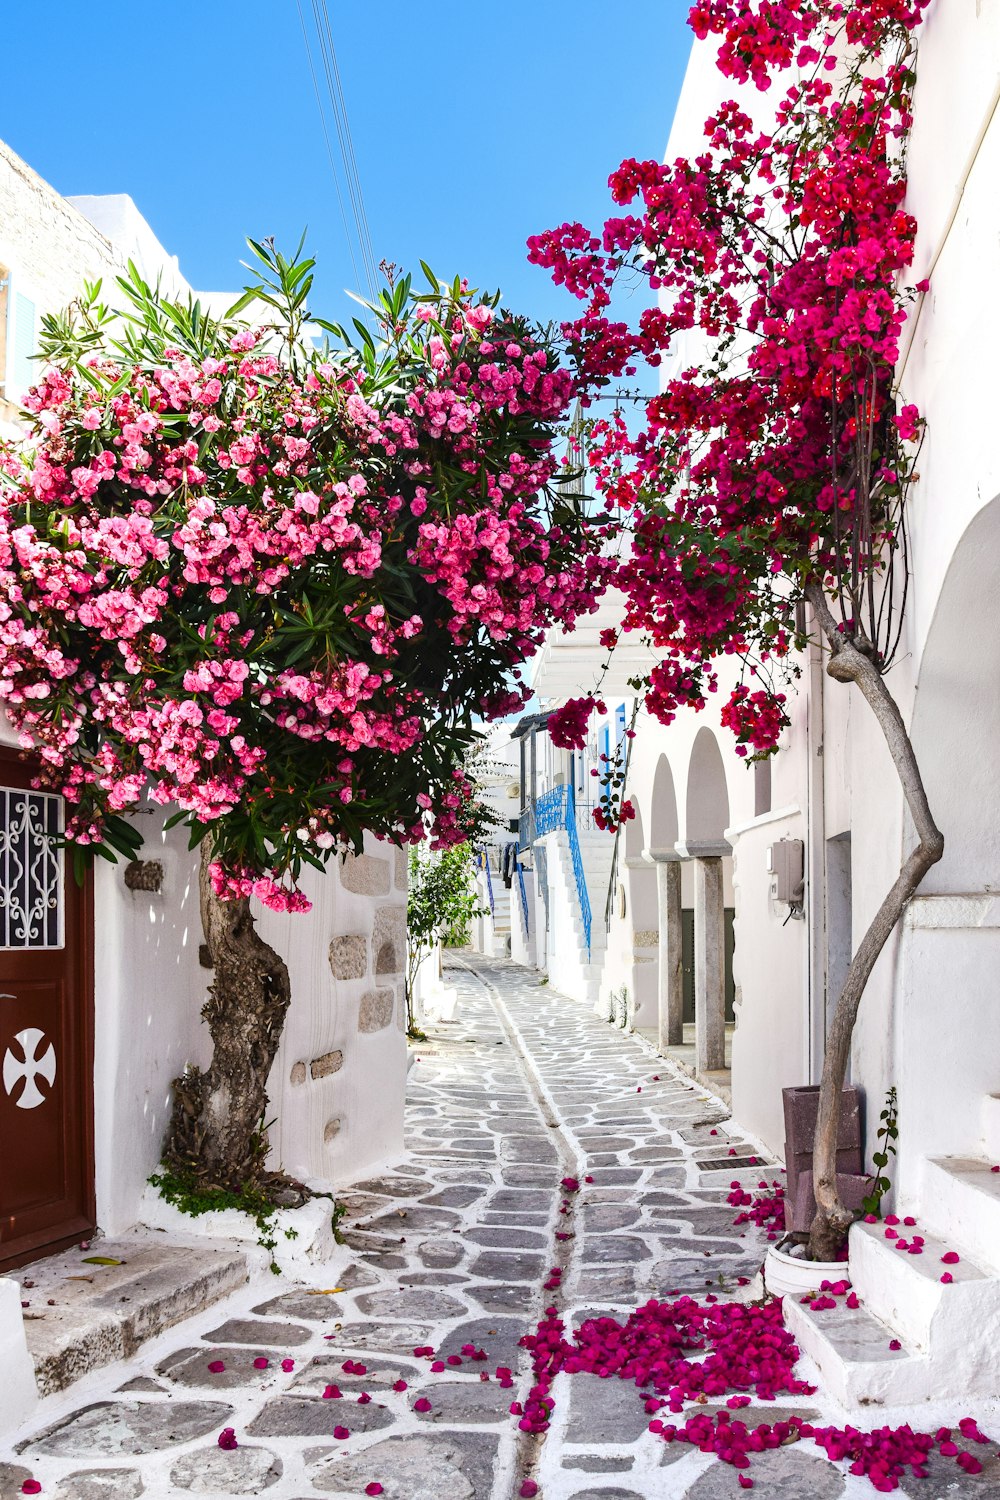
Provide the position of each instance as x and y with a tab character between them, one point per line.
365	875
349	956
329	1062
376	1010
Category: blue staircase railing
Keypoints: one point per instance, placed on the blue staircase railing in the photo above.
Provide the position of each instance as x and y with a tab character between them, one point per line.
483	861
554	810
524	898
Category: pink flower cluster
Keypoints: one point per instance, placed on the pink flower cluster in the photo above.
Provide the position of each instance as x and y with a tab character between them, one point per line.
681	1351
272	594
567	725
740	476
765	1208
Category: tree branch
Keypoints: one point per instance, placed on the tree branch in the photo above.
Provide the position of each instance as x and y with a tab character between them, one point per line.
848	663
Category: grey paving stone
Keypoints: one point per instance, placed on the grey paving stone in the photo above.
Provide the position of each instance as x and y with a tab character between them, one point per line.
356	1276
386	1261
507	1239
12	1476
605	1142
499	1298
238	1471
946	1481
434	1278
190	1367
526	1149
666	1177
494	1265
454	1197
415	1220
313	1307
301	1416
109	1428
141	1383
591	1463
440	1255
498	1337
605	1494
411	1304
274	1334
605	1411
99	1484
624	1176
614	1249
602	1216
328	1369
523	1200
400	1338
466	1401
782	1474
392	1187
456	1465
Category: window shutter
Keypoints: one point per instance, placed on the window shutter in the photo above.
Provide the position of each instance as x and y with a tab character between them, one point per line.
23	369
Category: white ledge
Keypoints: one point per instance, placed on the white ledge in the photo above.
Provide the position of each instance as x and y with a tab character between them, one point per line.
777	816
954	910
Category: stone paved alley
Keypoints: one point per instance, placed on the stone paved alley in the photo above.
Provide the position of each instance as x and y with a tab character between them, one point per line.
449	1249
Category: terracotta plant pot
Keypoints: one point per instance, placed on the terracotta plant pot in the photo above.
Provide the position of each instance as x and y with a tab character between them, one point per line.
787	1273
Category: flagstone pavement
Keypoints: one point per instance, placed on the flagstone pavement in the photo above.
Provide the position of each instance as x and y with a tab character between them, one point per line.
448	1248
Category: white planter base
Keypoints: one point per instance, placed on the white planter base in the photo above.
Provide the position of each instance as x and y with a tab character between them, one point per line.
312	1244
787	1275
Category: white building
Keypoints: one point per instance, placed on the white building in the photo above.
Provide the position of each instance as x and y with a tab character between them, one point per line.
102	1012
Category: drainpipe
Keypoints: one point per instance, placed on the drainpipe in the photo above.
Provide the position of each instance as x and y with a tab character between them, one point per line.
815	977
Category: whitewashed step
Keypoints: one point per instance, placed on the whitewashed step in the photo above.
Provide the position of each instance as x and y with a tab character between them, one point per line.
961	1200
850	1347
907	1293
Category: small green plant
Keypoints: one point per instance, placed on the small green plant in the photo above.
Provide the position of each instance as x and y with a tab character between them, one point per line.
888	1132
186	1193
441	903
338	1213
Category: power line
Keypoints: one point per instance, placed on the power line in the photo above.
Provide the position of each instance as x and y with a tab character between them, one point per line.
348	158
329	145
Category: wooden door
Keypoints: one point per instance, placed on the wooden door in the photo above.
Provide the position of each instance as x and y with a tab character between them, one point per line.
46	1029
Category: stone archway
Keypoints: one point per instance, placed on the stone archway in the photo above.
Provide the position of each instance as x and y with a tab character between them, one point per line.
643	925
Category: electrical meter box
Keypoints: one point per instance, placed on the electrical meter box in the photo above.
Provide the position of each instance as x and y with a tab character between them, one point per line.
785	863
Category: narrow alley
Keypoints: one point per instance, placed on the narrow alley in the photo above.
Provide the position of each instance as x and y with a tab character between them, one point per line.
447	1262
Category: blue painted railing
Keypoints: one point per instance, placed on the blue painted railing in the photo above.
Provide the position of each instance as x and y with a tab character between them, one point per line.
524	897
483	861
554	810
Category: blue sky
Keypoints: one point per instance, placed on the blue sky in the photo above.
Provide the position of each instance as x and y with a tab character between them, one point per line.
474	125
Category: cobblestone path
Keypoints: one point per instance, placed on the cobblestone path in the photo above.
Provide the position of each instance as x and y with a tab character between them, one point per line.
449	1249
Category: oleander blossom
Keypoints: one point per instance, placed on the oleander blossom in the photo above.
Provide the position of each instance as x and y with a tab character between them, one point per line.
271	589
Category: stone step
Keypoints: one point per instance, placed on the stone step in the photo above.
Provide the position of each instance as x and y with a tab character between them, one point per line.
907	1293
104	1313
850	1348
961	1198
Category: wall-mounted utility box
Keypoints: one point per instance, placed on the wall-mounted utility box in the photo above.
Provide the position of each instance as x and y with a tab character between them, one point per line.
785	863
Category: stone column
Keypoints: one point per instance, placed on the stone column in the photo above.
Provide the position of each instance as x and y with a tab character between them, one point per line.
671	978
709	965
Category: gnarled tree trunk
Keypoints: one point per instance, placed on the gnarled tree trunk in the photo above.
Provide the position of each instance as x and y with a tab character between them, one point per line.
849	663
216	1129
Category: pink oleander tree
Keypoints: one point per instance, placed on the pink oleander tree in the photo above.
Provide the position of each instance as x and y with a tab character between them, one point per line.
270	585
774	470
